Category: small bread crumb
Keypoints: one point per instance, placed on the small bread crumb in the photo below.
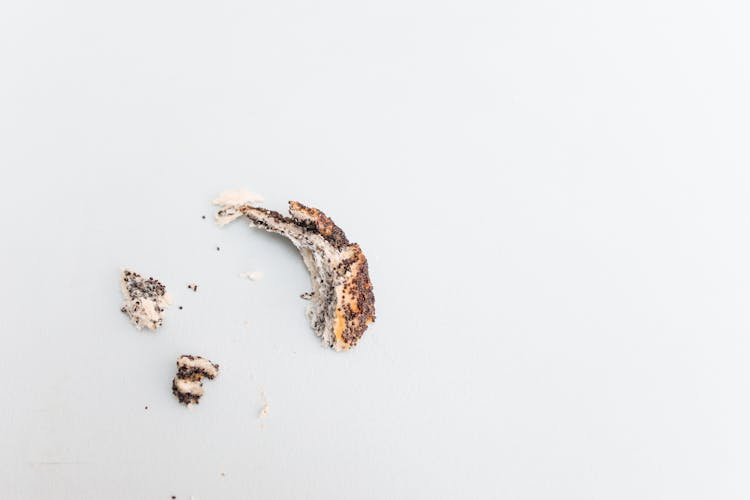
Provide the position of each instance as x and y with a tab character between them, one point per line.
193	287
306	296
236	197
187	385
145	299
230	201
252	276
264	411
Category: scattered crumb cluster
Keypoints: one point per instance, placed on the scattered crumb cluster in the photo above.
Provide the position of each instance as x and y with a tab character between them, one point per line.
145	300
187	384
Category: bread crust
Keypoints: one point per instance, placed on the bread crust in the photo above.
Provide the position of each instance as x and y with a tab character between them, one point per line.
343	299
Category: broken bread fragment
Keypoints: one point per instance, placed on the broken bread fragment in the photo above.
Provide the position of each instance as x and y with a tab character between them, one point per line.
187	385
229	200
342	303
145	299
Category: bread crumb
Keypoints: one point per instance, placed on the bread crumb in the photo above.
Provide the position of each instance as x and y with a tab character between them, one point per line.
187	385
264	411
193	287
230	200
145	300
306	296
236	197
252	276
266	408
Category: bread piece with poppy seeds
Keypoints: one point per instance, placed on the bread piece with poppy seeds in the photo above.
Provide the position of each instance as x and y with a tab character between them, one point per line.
187	385
342	303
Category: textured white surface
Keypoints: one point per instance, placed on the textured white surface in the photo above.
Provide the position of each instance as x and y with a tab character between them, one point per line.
553	197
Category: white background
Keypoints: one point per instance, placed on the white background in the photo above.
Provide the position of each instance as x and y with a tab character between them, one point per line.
553	197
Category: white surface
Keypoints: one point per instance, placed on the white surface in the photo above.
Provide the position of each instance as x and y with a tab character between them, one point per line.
553	197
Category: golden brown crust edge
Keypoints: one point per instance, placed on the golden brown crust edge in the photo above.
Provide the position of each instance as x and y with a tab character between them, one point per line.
355	301
315	219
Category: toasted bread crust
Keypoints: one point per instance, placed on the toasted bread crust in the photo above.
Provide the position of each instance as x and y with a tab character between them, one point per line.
319	221
354	298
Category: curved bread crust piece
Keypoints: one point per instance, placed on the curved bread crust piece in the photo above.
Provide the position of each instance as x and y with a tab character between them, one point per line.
342	301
